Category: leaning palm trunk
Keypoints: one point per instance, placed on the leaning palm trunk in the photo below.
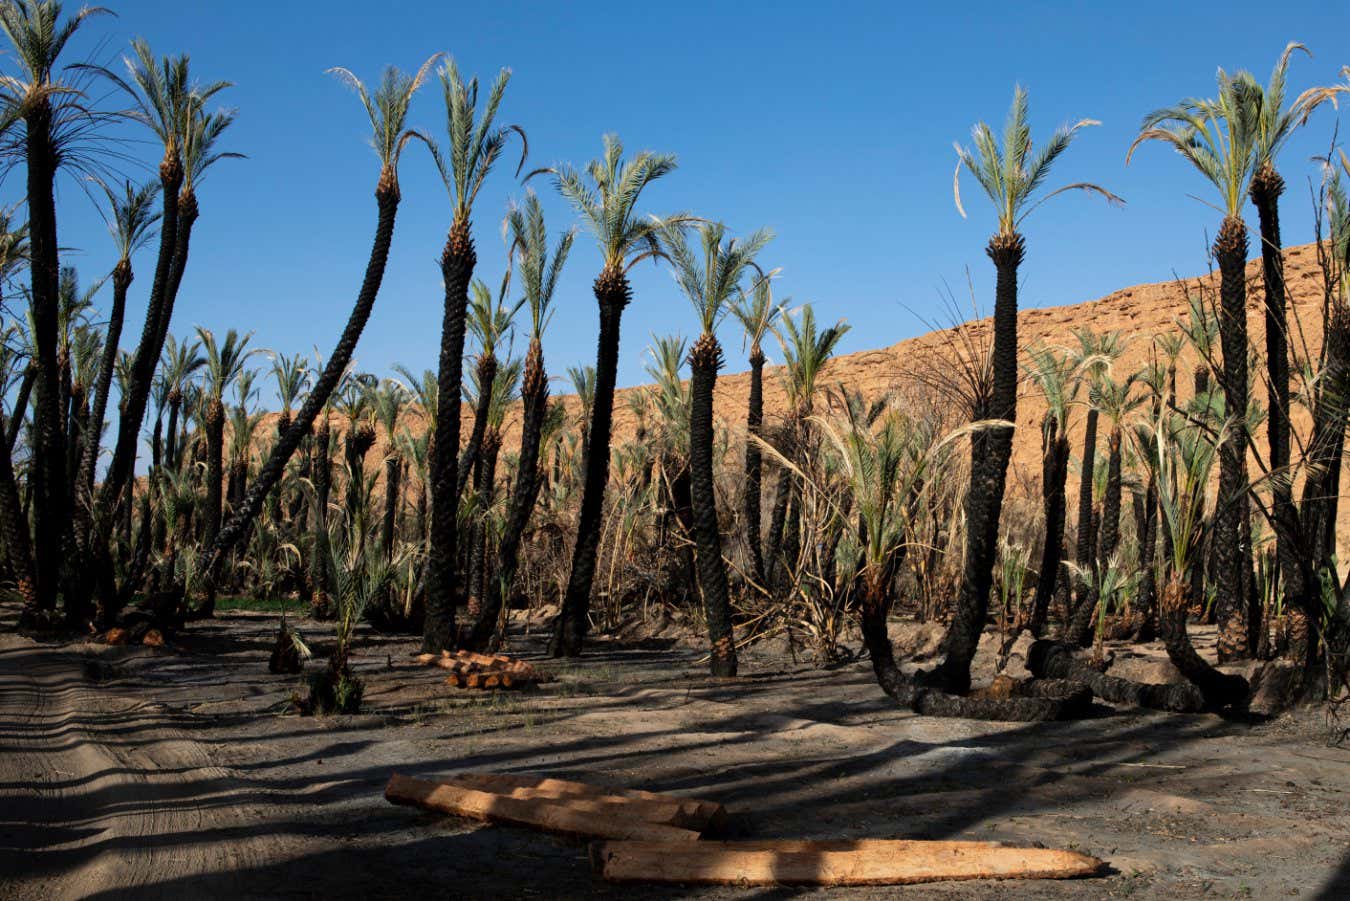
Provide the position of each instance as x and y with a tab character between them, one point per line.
705	358
613	293
1230	515
534	400
132	409
387	198
754	466
469	460
1054	471
457	262
991	449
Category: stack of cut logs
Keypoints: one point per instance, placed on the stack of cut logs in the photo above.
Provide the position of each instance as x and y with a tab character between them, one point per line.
652	837
484	671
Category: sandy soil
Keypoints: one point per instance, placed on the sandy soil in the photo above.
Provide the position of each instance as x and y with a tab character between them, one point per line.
179	772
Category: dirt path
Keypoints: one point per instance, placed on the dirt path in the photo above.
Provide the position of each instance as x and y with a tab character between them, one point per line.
176	773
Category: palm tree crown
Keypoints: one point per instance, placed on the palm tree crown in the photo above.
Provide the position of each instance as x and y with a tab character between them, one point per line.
1011	174
711	282
538	273
387	108
474	146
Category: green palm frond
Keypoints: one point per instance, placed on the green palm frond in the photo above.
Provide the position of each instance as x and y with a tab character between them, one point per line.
711	276
388	108
806	349
538	272
1011	174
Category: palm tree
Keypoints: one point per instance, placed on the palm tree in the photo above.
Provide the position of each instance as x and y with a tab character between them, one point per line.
806	350
475	146
1058	375
608	210
1275	123
166	101
538	275
224	362
1010	175
757	313
490	320
389	401
39	98
355	402
180	362
1219	137
387	108
131	225
710	276
1115	400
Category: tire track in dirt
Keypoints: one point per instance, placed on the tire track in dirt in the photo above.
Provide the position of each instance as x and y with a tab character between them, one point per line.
99	793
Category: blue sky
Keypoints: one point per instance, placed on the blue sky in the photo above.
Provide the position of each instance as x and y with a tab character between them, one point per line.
833	125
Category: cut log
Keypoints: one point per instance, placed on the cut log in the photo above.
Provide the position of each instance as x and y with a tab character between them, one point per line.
600	821
862	862
702	815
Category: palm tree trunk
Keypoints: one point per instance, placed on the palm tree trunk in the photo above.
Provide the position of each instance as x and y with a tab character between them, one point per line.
613	293
20	405
393	469
321	585
14	529
1220	689
387	198
705	358
1147	613
1108	536
487	375
48	457
1054	471
121	280
171	443
132	411
991	450
457	262
534	400
1230	515
754	422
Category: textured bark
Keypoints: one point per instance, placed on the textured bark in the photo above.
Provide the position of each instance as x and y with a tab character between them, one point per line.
132	409
1108	535
14	529
214	422
705	358
457	262
387	197
47	473
991	450
468	461
1220	690
121	279
1057	700
754	466
20	405
1230	515
1054	471
393	486
613	293
1054	660
320	564
534	402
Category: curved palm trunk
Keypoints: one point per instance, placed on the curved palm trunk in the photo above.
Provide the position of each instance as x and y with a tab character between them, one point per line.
534	400
613	293
132	410
1230	515
705	358
991	450
49	460
754	466
387	197
457	262
1054	472
122	277
1220	689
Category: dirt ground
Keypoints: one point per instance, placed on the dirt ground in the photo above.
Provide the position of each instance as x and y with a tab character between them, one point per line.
179	772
